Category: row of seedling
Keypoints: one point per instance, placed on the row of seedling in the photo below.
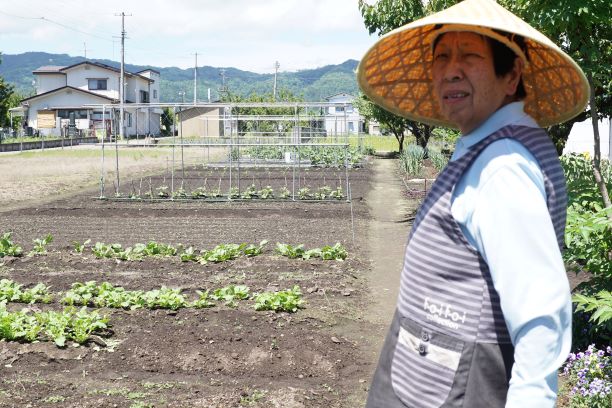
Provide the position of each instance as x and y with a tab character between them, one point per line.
220	253
106	295
10	248
321	156
70	324
252	192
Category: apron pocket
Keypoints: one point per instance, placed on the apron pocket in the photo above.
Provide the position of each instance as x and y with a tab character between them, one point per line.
424	366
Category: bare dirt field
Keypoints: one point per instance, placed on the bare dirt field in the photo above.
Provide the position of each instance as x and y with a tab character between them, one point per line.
322	355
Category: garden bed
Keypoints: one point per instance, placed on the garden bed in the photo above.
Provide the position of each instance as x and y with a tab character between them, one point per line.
222	356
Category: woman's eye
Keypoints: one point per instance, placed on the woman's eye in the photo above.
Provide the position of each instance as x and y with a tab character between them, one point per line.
440	57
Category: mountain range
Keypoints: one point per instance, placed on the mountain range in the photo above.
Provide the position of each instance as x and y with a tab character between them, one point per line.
312	84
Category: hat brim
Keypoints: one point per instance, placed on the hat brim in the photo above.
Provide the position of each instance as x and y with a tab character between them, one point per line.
395	72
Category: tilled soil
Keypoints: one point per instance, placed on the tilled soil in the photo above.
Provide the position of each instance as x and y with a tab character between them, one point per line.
217	357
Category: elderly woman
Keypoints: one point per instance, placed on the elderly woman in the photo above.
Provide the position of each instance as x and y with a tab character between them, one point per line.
484	313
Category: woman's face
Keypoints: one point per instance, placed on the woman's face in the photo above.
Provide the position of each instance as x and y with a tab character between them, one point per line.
464	80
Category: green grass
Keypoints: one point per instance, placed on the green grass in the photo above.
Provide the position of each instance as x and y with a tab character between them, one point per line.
94	153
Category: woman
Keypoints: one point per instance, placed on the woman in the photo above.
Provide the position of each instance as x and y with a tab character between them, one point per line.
484	311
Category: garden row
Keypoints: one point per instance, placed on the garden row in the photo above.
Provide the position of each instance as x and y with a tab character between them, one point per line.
79	325
220	253
250	193
322	156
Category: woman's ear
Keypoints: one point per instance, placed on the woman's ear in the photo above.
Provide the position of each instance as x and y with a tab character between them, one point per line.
514	77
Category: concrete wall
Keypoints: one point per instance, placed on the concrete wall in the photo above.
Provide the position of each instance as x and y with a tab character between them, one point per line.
49	82
201	121
153	87
581	139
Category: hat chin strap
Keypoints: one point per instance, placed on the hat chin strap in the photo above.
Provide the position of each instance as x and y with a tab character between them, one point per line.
447	28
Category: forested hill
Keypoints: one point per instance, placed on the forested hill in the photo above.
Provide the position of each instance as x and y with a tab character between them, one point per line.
312	84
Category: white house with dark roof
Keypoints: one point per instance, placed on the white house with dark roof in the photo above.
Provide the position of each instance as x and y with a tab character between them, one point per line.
64	95
343	119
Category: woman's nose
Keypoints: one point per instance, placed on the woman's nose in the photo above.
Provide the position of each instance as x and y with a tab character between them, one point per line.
454	70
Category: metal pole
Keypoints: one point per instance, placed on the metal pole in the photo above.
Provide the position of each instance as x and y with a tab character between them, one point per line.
173	144
103	137
117	162
122	79
230	152
346	169
182	153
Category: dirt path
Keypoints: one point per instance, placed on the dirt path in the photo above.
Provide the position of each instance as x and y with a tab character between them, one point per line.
387	232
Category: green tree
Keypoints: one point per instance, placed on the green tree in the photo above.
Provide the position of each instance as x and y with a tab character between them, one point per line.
394	124
583	30
279	125
380	18
6	94
167	121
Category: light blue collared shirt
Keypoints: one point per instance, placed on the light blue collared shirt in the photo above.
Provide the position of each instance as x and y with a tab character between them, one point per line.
500	204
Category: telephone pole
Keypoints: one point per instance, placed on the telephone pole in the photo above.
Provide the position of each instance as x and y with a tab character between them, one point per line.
276	67
195	80
122	79
223	90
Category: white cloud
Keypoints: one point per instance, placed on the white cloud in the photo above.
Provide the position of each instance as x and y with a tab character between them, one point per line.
247	34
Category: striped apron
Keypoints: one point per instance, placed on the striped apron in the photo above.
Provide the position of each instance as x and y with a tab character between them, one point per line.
448	345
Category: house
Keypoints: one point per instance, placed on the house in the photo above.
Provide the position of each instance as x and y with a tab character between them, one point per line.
65	95
580	139
343	119
202	121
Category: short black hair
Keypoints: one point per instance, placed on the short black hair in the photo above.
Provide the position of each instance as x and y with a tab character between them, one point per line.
503	56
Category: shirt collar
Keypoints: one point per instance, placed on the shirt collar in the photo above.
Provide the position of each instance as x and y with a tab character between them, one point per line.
510	114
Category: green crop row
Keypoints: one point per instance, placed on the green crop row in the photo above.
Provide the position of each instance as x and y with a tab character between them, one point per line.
70	324
106	295
220	253
323	156
250	193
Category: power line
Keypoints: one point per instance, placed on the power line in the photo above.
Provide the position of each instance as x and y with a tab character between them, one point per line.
56	23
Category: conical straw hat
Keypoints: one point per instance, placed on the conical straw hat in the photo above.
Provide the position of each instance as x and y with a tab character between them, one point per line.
396	72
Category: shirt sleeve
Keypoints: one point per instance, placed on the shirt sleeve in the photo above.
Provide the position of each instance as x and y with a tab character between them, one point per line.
502	210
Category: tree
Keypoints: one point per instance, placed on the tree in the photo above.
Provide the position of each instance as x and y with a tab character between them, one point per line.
380	18
584	32
6	98
279	125
397	125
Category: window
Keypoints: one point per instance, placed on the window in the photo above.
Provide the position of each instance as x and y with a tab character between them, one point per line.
155	94
128	119
351	127
96	84
339	109
144	97
65	113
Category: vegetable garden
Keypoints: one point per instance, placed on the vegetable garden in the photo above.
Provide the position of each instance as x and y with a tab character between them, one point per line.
139	303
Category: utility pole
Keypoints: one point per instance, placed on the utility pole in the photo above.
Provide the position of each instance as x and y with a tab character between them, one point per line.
122	79
223	89
276	67
195	80
85	49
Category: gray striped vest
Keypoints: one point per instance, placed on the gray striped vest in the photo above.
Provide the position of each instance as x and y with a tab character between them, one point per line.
449	345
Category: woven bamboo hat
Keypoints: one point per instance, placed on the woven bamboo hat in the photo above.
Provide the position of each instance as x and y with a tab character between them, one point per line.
396	72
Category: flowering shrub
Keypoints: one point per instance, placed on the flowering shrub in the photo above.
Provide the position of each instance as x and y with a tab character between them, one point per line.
589	378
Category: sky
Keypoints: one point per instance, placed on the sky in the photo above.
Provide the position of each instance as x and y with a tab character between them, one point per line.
246	34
